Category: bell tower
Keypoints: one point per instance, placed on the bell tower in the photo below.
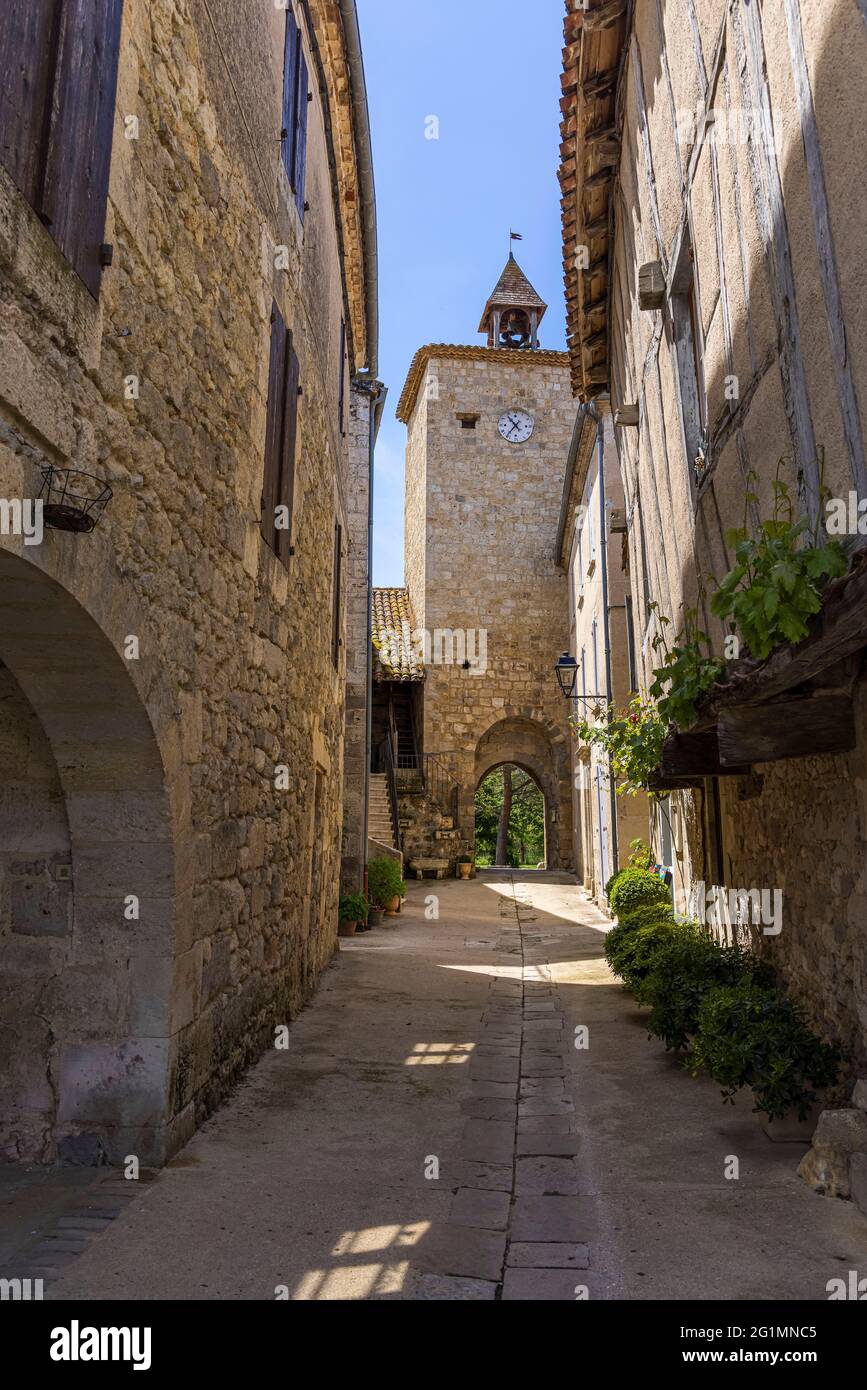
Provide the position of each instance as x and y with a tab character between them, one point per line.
513	312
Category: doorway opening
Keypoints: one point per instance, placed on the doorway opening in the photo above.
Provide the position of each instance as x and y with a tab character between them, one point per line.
510	819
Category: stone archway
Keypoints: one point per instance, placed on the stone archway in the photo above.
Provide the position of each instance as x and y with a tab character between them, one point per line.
535	781
539	749
87	888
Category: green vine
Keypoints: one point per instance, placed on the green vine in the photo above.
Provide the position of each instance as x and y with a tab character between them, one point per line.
632	738
774	588
687	673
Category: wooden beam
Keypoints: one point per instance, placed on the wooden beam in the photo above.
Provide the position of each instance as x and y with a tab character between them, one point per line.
800	728
697	754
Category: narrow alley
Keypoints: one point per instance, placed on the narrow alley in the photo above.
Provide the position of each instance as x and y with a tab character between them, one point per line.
452	1041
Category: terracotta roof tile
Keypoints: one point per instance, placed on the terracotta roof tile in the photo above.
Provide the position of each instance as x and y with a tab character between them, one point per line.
392	632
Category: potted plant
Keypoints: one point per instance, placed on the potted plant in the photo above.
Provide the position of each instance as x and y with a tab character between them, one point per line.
465	864
385	884
352	911
374	914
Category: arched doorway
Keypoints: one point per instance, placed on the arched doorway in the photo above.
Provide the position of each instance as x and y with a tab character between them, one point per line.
528	742
87	889
510	819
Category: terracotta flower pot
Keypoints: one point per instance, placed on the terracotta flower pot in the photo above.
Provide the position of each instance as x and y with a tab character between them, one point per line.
346	928
393	907
464	870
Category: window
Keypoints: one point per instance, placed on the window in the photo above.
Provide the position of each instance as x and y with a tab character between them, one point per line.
296	93
630	645
278	487
58	77
689	351
341	387
337	595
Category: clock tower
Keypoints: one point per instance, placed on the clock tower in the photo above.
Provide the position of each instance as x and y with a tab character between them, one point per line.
489	433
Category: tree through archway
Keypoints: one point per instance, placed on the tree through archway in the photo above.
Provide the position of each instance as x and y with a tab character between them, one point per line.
510	819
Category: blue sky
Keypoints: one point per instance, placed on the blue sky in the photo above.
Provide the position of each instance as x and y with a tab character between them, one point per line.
489	70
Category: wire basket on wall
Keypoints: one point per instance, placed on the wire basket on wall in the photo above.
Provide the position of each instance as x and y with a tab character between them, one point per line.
72	500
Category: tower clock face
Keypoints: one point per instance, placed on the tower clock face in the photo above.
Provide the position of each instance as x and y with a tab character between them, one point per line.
516	426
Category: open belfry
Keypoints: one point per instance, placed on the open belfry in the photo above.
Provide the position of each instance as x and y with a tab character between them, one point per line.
489	428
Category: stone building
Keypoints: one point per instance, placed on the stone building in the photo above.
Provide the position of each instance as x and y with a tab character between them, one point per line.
188	358
714	244
488	437
590	548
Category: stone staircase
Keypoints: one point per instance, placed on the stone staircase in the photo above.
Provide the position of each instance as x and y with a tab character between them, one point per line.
380	821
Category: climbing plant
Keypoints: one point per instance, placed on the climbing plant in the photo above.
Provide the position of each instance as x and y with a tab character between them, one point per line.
632	738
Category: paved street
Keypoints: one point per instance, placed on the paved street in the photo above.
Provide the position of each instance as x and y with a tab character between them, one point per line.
451	1042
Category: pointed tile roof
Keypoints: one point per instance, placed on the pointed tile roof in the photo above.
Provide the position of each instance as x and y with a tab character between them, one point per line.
394	637
513	291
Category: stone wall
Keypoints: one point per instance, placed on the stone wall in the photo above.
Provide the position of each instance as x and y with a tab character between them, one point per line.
487	511
233	863
778	249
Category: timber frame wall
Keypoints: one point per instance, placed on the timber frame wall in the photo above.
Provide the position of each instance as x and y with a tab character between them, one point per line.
732	135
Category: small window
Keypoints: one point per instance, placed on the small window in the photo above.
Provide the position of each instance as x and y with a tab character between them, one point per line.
468	422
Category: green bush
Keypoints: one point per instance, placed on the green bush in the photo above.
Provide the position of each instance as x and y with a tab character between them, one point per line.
751	1035
611	882
639	952
353	907
616	939
685	969
637	888
384	881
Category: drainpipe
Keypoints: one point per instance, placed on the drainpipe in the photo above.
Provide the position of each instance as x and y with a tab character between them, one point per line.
590	409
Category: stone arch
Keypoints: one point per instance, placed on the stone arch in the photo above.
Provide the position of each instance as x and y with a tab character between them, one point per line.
528	739
101	848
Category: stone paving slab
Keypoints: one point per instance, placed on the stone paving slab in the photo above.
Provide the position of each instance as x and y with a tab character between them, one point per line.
547	1218
545	1105
546	1174
540	1285
488	1141
445	1288
462	1172
494	1090
541	1086
546	1124
548	1255
472	1206
490	1108
464	1250
528	1144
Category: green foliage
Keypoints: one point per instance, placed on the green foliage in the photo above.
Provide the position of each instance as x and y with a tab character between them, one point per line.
637	888
753	1036
688	672
774	588
526	823
384	881
632	946
611	882
353	907
632	738
641	856
686	968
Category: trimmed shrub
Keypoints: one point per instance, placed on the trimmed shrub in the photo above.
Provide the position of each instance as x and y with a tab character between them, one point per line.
611	882
751	1035
626	927
637	888
686	968
640	951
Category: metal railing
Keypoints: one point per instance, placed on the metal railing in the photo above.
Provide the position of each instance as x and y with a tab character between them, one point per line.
440	784
384	762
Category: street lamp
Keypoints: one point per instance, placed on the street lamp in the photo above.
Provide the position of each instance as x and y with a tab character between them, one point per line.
567	675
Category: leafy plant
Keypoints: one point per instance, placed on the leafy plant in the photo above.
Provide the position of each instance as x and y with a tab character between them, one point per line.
753	1036
641	856
632	738
631	947
686	968
637	888
774	588
353	907
611	882
687	672
384	881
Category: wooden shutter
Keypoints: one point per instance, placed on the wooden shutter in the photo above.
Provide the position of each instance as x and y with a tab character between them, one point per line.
28	52
274	427
337	597
301	135
291	54
75	192
286	485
